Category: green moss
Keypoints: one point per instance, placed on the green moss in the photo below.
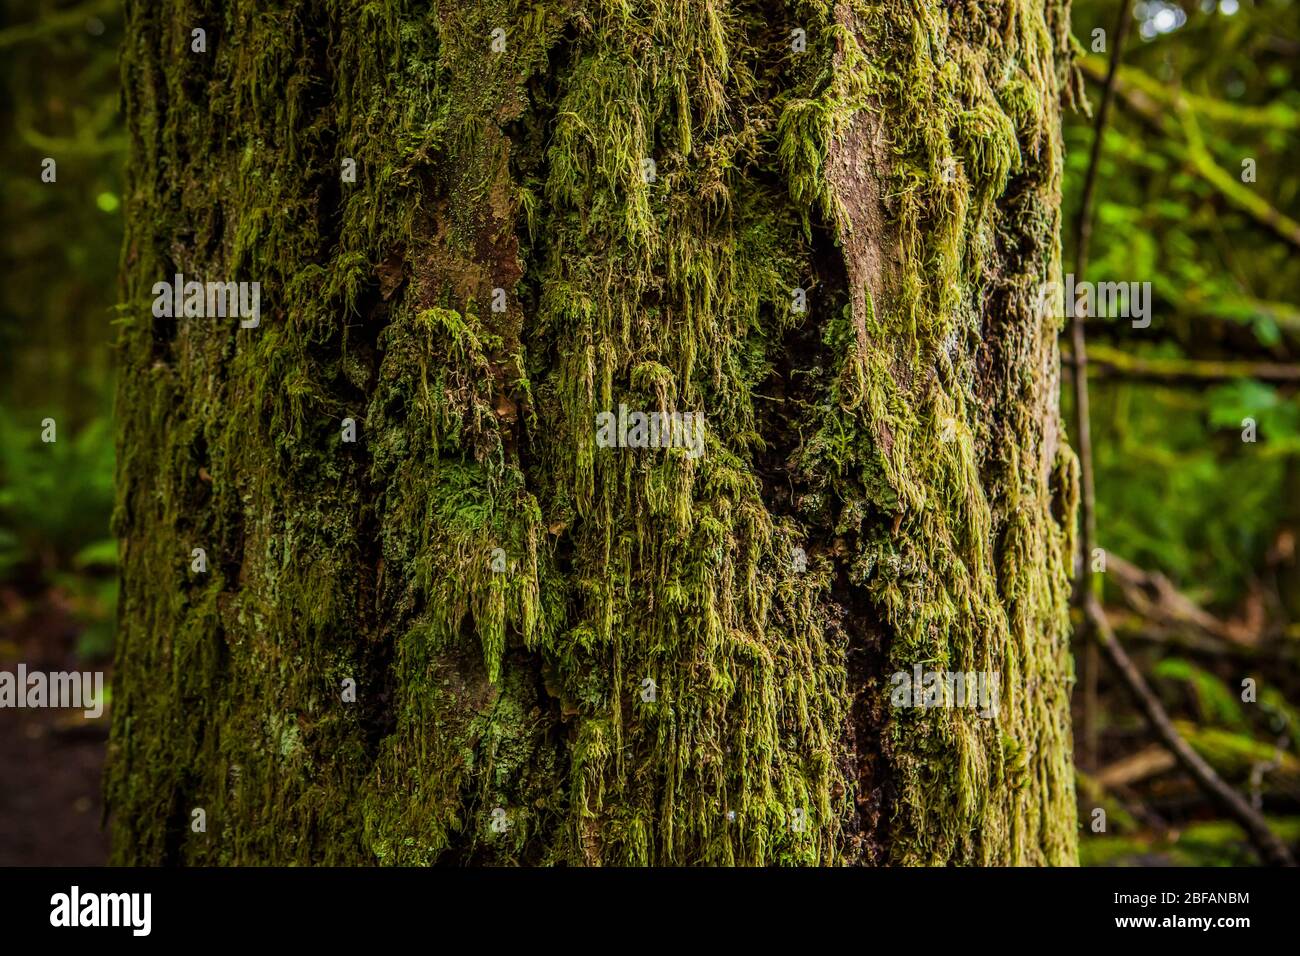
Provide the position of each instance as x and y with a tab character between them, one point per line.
961	550
498	586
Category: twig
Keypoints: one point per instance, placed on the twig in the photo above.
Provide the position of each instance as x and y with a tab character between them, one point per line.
1154	596
1271	848
1189	371
1082	413
1136	767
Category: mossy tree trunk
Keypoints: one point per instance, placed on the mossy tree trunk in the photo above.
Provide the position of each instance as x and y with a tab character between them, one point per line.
657	189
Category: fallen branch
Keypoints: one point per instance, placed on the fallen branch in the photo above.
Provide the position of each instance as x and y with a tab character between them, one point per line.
1130	626
1154	596
1136	767
1271	849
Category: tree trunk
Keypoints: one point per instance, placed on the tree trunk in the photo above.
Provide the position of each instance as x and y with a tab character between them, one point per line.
822	230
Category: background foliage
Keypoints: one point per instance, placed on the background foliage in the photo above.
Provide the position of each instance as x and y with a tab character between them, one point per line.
1206	85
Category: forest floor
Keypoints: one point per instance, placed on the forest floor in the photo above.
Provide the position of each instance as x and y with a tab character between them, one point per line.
51	761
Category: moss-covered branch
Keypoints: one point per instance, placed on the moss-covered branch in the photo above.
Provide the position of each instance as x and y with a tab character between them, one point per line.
1187	371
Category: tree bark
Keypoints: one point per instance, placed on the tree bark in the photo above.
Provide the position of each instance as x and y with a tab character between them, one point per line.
562	652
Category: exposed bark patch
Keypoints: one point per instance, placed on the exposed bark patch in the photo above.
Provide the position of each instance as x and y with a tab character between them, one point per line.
857	164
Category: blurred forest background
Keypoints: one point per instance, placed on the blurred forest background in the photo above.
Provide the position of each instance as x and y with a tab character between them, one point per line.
1200	527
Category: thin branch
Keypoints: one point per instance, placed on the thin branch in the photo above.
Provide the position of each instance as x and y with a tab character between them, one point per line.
1134	81
1136	767
1132	628
1082	413
1156	113
1272	850
1154	596
1157	612
1176	371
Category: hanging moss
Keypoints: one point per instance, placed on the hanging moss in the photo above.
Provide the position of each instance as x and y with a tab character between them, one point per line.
643	188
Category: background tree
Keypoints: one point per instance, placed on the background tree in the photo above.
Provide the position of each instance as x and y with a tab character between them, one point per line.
650	186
